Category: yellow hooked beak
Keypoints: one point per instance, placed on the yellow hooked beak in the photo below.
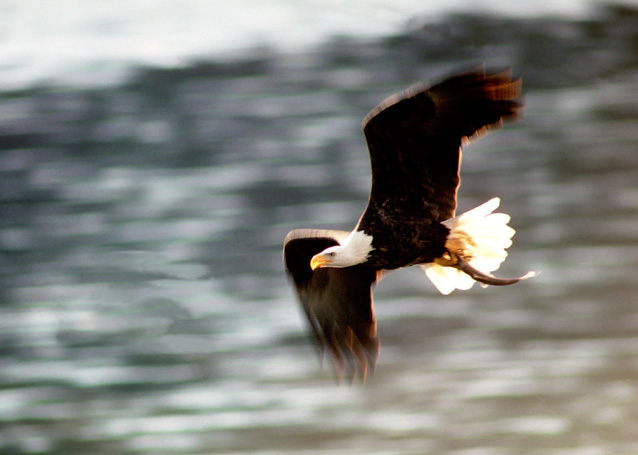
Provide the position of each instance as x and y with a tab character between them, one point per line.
319	260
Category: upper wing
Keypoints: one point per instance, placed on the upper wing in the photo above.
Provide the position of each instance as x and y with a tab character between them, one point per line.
337	301
414	139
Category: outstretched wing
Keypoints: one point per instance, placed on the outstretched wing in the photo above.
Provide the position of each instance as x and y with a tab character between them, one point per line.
337	301
415	137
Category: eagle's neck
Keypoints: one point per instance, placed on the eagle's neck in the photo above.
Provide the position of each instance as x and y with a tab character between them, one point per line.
358	244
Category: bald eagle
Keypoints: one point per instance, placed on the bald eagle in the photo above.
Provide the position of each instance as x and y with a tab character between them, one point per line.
414	140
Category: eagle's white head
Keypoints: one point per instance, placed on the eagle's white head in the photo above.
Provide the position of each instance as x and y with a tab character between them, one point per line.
355	249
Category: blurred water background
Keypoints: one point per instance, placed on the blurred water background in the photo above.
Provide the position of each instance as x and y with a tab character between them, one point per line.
153	155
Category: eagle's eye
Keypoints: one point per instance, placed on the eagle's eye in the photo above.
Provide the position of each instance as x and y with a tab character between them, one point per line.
331	255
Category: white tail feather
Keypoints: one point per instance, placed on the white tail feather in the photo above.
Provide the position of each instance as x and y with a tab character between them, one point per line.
480	237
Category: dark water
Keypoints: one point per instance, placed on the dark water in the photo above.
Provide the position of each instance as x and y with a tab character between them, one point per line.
143	305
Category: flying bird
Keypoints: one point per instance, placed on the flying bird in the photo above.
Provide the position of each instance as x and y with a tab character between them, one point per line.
414	140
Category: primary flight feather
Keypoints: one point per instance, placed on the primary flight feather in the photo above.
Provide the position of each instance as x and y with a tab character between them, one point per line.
414	140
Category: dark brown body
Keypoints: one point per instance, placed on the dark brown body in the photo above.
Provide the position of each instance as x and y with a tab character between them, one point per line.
420	240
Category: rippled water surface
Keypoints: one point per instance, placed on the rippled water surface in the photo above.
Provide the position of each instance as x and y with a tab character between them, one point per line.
143	306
